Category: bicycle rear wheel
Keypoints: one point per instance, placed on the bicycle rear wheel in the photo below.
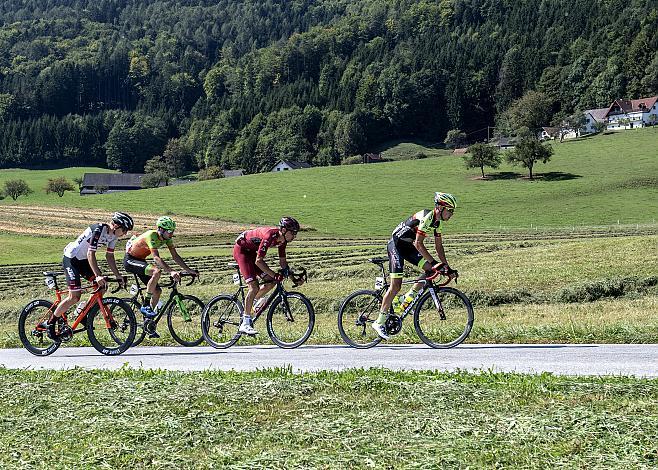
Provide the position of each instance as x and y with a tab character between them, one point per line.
444	321
290	320
356	316
115	333
33	337
220	321
184	320
141	332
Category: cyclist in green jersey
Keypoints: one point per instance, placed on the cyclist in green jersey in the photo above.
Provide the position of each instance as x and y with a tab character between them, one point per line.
408	243
145	245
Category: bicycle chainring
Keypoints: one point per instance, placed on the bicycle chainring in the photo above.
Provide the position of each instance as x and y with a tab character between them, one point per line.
149	326
393	324
65	333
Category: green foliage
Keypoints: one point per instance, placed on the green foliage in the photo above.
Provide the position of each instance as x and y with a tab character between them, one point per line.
529	151
455	138
16	188
531	111
59	186
329	78
481	155
210	173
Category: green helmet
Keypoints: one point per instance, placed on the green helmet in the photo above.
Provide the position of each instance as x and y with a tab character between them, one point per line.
445	199
166	223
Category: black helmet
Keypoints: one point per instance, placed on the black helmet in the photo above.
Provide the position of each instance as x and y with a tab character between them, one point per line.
123	219
289	224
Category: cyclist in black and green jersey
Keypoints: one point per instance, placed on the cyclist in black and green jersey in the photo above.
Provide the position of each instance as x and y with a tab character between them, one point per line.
408	243
145	245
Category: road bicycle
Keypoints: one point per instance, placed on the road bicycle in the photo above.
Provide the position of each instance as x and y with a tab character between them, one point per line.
443	316
183	313
109	321
290	315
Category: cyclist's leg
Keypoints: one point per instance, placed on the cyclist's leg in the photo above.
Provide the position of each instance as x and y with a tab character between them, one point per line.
72	271
143	271
411	254
396	269
247	263
152	288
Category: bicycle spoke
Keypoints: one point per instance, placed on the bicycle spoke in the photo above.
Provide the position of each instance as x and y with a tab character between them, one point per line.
184	320
290	320
355	317
220	321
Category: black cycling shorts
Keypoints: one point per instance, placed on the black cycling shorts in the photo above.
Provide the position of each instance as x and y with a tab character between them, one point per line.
137	266
74	269
399	252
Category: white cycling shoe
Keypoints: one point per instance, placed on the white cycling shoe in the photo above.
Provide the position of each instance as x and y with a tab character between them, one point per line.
247	328
380	329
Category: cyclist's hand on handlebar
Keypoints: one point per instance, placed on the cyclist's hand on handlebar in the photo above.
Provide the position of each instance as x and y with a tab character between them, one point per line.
175	275
121	281
100	280
441	268
278	277
286	271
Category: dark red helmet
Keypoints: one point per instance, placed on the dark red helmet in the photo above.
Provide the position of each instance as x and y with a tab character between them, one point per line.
289	224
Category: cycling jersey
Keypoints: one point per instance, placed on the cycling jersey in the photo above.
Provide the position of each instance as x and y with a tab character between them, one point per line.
421	222
260	239
96	235
142	246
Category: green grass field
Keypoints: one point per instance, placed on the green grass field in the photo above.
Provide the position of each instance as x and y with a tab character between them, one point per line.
351	419
37	180
604	180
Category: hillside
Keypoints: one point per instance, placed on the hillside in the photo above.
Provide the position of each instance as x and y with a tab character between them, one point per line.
243	83
603	180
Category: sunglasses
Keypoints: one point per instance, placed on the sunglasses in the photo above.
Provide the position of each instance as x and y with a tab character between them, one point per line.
449	209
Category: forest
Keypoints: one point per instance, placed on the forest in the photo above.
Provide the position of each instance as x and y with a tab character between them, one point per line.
242	83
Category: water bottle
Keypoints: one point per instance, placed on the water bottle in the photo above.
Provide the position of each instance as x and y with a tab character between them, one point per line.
80	308
397	305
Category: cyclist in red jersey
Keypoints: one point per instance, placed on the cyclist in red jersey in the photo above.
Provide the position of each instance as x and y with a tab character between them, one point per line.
249	252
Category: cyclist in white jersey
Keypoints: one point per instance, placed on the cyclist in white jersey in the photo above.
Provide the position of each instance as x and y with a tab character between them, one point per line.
80	260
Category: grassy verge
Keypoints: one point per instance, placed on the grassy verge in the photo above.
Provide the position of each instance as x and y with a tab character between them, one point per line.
351	419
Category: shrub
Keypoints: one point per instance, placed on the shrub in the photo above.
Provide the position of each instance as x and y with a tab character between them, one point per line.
210	173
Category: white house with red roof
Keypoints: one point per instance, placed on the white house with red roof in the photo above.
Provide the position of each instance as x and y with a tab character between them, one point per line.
630	114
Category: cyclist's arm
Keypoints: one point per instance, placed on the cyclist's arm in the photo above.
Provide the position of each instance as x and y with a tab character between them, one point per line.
438	243
159	262
419	244
111	262
91	257
260	262
283	262
179	261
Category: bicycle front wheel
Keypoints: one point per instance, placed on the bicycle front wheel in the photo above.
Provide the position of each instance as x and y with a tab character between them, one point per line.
290	320
445	319
356	316
111	330
220	321
34	338
184	320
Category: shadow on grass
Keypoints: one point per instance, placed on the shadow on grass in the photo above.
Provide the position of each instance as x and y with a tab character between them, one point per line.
503	175
556	176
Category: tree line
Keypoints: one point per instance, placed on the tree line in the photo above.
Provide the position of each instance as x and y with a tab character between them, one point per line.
241	83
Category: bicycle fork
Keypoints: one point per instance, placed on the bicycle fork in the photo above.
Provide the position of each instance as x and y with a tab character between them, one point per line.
438	304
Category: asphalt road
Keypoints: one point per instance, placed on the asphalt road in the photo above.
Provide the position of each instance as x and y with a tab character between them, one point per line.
639	360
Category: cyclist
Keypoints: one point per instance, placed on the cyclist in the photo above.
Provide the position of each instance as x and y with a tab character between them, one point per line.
147	244
249	251
408	243
80	260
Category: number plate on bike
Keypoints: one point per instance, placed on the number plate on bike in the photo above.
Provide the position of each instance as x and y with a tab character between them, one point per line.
134	289
379	282
50	282
236	279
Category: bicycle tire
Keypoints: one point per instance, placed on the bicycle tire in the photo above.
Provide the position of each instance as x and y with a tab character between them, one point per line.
220	321
30	317
186	332
355	316
289	325
447	332
120	336
140	334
